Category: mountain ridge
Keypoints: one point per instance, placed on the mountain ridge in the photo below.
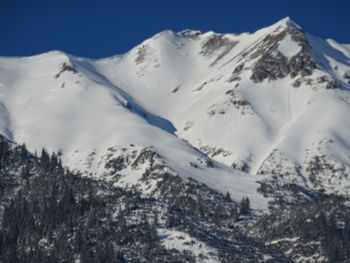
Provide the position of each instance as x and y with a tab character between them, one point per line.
286	21
196	147
188	85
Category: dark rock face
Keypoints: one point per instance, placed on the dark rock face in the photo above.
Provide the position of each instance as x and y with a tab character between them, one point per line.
117	164
141	54
346	76
330	83
326	82
194	34
66	67
217	42
301	63
236	72
244	166
240	103
273	65
333	84
213	43
270	67
296	84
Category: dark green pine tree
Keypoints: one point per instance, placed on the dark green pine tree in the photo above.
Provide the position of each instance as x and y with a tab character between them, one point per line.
244	207
228	197
45	160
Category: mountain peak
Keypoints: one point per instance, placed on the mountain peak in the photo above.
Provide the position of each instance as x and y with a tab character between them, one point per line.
287	22
190	33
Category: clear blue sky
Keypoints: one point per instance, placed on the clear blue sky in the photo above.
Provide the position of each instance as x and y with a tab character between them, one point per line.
104	28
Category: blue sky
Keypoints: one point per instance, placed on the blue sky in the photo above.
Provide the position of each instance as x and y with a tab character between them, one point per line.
104	28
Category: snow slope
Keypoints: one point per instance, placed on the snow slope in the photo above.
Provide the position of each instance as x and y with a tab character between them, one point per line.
219	93
81	115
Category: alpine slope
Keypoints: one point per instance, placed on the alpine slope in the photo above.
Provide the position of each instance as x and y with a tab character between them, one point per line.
262	115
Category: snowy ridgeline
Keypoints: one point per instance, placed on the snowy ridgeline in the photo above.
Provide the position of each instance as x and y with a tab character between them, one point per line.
223	109
195	126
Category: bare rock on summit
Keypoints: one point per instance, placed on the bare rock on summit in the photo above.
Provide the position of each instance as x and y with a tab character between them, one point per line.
272	64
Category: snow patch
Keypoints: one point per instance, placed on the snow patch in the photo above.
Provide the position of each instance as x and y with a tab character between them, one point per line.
173	239
288	47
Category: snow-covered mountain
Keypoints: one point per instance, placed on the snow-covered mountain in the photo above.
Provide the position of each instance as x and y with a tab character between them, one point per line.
224	109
